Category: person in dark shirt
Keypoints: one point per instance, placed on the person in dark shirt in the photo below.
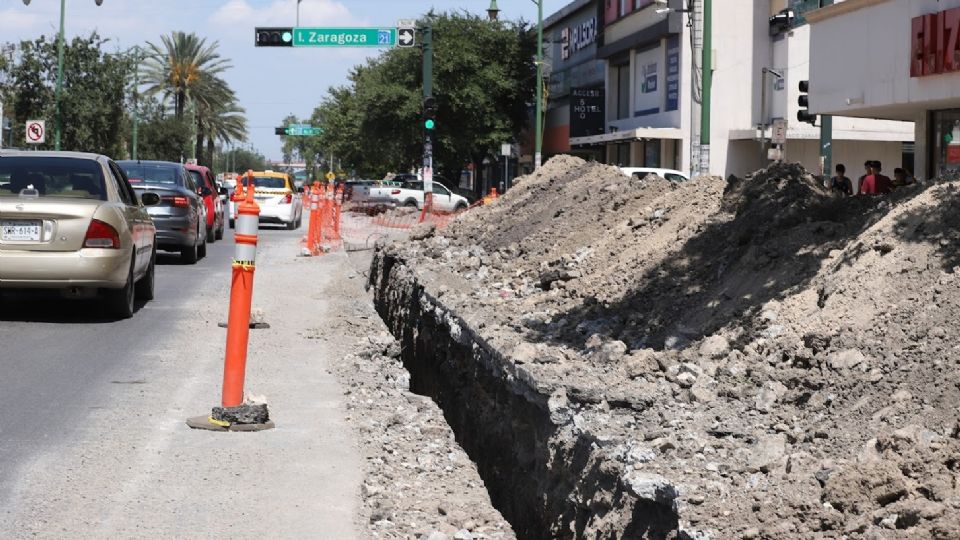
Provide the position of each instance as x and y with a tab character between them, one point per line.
840	182
876	183
902	178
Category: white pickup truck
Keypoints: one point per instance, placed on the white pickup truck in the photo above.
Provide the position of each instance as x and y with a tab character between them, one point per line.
410	194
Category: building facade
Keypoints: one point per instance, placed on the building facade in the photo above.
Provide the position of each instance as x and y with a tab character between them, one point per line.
908	69
649	53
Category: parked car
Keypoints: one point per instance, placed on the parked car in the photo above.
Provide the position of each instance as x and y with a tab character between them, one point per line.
203	176
180	216
277	197
71	221
642	172
444	200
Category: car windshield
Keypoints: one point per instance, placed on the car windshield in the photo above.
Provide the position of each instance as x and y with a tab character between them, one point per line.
152	173
52	177
267	182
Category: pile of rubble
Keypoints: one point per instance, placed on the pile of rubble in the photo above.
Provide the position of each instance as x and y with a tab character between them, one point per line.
782	360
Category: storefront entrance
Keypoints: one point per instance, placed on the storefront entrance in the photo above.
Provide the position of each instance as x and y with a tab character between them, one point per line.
946	141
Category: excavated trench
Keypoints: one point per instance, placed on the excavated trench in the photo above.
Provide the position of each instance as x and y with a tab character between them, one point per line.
550	475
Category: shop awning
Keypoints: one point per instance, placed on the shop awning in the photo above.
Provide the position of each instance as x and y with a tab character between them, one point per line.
628	135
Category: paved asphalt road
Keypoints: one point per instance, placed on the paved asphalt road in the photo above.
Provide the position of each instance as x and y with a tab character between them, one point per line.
92	436
58	355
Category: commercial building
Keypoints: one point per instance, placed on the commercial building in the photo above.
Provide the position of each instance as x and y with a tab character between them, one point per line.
904	65
649	55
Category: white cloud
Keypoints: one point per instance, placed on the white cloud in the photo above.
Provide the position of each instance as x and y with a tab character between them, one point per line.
16	20
284	13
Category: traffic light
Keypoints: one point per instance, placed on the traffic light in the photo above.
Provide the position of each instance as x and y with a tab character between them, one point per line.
274	37
803	100
429	112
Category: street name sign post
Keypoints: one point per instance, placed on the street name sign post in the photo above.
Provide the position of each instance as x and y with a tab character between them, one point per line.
344	37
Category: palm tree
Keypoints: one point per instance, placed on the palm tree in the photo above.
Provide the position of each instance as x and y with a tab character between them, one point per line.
182	68
225	124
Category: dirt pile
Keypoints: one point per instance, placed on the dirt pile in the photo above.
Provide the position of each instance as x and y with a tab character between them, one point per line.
784	360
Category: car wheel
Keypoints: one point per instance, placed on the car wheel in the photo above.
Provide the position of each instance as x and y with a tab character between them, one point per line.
291	225
232	224
120	301
411	203
188	254
219	234
202	249
211	235
460	208
145	287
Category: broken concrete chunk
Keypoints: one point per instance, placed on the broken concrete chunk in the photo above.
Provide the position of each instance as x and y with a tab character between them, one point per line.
650	487
612	352
641	362
768	454
845	359
715	346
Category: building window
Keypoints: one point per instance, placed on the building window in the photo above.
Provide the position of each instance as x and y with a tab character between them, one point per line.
651	153
623	90
946	142
623	154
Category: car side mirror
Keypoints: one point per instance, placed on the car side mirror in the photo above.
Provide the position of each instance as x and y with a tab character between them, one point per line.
223	191
205	191
149	198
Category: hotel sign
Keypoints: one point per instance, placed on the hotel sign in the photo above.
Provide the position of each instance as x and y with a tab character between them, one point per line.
935	43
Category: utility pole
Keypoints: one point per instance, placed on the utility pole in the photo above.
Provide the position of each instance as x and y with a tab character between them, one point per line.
428	125
707	77
136	89
538	155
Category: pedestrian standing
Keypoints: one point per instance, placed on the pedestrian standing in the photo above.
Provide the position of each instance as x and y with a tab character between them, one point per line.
876	183
840	182
866	168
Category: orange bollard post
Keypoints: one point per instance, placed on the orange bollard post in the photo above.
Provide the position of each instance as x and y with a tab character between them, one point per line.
241	298
235	414
493	193
312	239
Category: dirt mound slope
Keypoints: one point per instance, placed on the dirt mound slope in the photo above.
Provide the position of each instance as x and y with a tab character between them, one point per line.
786	357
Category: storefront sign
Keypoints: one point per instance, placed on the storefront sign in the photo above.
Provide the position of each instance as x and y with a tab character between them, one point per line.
586	111
673	74
935	43
577	37
953	154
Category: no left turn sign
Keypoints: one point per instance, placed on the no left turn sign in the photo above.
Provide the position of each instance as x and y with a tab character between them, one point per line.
36	131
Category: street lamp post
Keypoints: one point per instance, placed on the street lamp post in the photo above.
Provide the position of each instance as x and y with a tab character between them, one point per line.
60	40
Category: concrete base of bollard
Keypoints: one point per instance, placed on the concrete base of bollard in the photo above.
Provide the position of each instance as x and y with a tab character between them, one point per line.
206	423
252	326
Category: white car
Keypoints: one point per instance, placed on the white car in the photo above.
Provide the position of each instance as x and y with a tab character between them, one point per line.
278	200
444	200
641	172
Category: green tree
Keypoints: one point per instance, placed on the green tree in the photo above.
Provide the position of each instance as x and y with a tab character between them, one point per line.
243	160
162	136
183	67
92	102
375	123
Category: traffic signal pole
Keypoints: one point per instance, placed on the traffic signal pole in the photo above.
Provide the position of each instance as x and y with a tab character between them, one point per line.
427	45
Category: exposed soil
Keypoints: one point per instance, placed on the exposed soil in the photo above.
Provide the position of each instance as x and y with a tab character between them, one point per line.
786	359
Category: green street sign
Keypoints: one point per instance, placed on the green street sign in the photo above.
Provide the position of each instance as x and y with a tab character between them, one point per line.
344	37
948	138
300	130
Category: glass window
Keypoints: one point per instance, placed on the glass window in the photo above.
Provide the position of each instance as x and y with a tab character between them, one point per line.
440	190
120	186
152	173
946	141
623	91
267	182
52	177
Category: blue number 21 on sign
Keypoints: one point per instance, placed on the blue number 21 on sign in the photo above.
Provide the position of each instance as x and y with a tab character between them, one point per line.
383	37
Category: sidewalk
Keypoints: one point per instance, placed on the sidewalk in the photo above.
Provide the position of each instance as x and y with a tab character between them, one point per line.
135	470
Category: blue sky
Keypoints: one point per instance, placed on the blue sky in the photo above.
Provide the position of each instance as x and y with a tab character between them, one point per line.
270	82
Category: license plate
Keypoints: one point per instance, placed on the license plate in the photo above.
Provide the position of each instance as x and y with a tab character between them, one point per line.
20	230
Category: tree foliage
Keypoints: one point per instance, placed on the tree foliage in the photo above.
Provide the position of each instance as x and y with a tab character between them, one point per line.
92	101
483	82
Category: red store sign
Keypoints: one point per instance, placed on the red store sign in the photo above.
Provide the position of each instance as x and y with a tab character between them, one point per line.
935	43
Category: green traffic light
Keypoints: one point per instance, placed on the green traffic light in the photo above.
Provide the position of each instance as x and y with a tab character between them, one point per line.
287	37
428	124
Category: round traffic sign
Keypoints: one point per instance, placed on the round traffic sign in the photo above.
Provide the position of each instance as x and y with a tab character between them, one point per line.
36	131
